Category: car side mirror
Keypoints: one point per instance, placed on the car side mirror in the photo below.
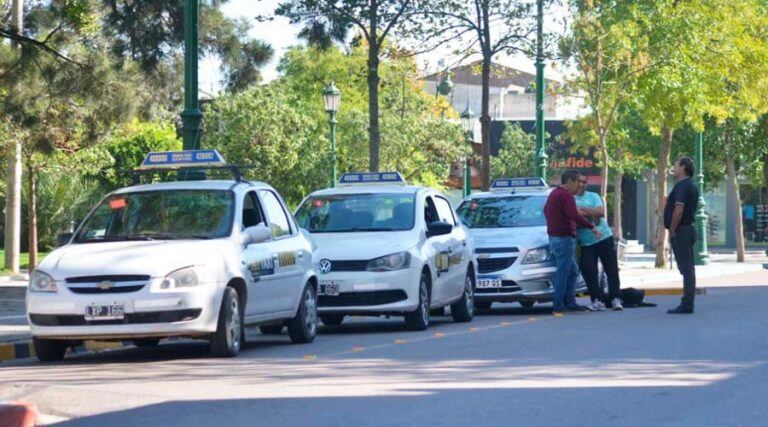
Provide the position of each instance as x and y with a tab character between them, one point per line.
256	234
64	238
439	228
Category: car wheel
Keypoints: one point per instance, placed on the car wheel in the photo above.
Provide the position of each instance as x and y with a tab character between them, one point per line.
483	305
527	304
419	320
49	350
303	328
332	319
146	342
464	309
271	329
227	339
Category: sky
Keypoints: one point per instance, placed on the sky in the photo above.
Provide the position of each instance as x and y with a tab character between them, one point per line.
280	34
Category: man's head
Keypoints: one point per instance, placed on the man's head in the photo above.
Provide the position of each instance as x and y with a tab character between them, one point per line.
570	180
582	185
684	167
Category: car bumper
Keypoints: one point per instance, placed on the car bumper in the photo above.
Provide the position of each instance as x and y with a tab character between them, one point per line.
147	313
534	283
371	292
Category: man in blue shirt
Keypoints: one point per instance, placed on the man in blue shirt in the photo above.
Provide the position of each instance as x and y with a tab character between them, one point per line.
593	249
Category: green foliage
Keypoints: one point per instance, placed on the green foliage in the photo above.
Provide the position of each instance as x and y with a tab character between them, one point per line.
516	154
128	147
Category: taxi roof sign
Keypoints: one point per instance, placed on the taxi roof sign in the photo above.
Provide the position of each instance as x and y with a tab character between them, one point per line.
531	183
182	159
368	178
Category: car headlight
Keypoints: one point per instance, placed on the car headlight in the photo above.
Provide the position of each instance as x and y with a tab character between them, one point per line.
186	277
536	256
41	282
396	261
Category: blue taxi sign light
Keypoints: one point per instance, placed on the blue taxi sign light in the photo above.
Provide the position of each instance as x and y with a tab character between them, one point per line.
366	178
533	183
182	159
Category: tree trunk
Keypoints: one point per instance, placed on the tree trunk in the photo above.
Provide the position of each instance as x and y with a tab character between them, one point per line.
765	170
373	91
733	180
618	177
12	236
32	213
662	164
604	167
485	123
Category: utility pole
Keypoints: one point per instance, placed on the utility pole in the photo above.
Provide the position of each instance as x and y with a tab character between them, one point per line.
701	255
12	235
191	130
541	149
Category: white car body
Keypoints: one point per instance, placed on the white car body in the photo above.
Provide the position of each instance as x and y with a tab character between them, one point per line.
129	274
344	255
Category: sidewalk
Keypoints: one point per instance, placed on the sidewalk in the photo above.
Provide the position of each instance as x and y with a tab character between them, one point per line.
637	272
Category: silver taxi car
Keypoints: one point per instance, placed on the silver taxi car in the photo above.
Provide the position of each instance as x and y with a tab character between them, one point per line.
508	227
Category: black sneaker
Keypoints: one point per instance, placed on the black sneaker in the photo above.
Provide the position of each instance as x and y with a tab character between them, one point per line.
577	308
681	310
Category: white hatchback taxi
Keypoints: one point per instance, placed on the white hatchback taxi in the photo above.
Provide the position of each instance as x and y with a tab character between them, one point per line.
387	248
196	259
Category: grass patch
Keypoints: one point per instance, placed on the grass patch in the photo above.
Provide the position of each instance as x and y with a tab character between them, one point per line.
23	260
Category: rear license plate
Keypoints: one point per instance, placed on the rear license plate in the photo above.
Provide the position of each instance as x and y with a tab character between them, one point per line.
484	282
329	288
104	312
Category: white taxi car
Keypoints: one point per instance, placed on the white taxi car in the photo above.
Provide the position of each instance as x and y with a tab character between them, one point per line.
387	248
196	259
511	243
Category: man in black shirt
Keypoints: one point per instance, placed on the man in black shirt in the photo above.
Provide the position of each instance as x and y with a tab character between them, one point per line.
679	216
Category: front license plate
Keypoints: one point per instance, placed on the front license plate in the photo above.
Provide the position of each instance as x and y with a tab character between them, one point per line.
484	282
104	312
329	288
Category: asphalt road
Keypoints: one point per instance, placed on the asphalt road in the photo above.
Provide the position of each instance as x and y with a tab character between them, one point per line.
509	367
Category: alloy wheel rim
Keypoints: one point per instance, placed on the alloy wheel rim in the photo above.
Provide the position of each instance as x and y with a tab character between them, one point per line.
424	302
234	324
469	296
310	315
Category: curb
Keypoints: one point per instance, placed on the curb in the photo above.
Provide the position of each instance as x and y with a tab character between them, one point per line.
25	349
18	414
672	291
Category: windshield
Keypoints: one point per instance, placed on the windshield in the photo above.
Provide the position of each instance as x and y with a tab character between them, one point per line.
357	212
152	215
503	212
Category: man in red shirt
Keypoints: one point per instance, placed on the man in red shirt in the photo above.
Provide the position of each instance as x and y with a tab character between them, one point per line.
562	219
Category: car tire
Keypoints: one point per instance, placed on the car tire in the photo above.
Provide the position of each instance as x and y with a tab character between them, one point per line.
463	310
50	350
146	342
227	339
418	320
332	319
271	329
483	305
527	304
303	327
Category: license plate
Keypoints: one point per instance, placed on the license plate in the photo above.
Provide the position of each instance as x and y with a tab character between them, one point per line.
104	312
329	288
484	282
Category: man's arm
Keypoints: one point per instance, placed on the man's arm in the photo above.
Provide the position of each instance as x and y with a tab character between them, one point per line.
595	213
677	216
572	213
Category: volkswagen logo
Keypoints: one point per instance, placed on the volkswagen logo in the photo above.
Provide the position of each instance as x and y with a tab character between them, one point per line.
325	266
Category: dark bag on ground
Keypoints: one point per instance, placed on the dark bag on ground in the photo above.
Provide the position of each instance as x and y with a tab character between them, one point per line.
632	297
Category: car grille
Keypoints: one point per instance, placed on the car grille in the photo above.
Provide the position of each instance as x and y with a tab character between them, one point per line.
507	286
349	265
350	299
109	278
496	250
118	283
130	318
489	265
112	290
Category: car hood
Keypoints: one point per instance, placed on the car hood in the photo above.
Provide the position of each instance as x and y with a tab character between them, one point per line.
153	258
522	237
359	246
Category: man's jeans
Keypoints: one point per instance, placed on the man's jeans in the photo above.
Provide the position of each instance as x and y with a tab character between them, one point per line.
605	251
682	245
563	249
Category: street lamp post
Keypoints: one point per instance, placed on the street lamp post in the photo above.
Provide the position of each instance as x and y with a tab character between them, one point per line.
444	88
541	149
331	99
468	123
701	255
191	130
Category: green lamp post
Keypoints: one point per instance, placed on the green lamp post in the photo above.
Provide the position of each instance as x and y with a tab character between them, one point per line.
468	123
331	99
444	88
701	255
191	130
541	149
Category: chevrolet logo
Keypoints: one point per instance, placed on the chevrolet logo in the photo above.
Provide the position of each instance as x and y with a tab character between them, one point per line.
105	285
